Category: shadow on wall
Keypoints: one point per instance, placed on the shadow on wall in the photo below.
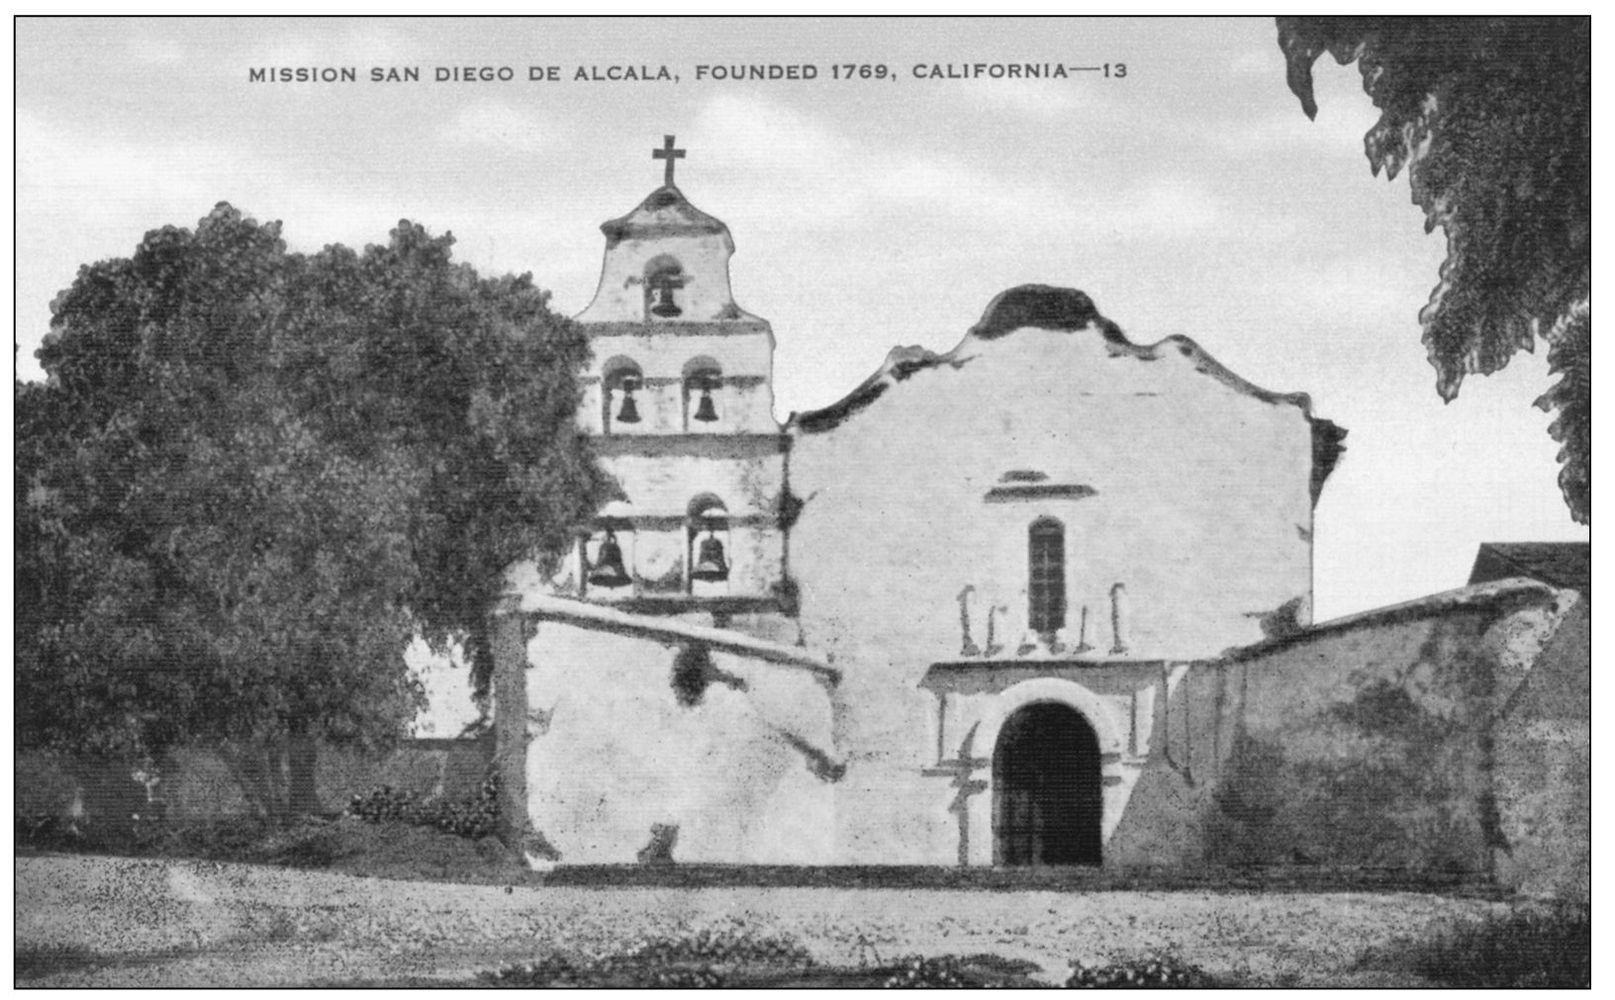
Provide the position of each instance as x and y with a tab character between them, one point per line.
1375	747
1378	782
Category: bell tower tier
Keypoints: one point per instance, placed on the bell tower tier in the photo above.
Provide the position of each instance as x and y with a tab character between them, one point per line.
680	400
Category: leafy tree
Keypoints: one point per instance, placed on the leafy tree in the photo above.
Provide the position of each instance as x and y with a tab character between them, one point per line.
1492	118
254	475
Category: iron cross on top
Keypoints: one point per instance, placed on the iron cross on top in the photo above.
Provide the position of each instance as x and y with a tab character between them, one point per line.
668	153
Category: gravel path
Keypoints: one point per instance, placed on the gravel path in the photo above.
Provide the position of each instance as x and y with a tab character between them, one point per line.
96	922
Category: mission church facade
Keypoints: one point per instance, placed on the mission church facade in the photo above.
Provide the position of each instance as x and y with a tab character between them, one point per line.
995	606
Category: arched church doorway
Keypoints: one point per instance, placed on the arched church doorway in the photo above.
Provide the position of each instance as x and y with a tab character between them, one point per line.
1047	801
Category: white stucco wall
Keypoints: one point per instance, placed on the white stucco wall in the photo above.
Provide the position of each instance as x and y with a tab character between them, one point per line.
613	753
450	710
665	484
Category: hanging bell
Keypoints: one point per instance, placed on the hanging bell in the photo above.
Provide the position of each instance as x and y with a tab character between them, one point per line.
662	303
629	414
608	570
705	411
709	563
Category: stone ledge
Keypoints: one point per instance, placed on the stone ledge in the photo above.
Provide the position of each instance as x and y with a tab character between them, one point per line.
699	445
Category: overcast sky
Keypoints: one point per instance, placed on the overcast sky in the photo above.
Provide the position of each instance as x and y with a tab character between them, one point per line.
1190	196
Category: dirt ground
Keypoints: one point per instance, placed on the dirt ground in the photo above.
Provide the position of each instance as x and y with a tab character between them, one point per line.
88	921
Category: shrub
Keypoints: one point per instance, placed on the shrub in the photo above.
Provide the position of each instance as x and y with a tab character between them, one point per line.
692	672
307	845
943	972
382	804
703	960
224	840
44	830
1537	947
473	818
613	971
555	970
721	947
960	972
1154	974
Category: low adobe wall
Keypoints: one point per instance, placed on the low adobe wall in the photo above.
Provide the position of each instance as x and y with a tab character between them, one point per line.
1387	742
1543	775
210	782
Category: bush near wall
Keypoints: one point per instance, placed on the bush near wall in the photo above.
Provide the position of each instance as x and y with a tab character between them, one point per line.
200	784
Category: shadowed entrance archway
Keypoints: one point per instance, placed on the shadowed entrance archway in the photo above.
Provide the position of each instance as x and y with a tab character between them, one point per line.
1047	803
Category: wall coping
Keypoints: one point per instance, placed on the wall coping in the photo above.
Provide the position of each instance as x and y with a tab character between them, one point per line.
1496	596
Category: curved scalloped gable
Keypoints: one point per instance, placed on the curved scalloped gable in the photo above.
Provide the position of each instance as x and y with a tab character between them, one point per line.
665	233
1046	307
664	212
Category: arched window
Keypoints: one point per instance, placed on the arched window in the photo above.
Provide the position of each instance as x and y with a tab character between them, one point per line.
707	528
664	276
1046	576
620	380
703	377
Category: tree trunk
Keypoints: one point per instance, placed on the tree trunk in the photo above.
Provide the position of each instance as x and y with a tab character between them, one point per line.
509	644
302	790
479	654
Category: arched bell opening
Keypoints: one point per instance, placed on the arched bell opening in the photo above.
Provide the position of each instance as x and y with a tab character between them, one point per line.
620	382
1048	802
608	554
708	546
664	281
703	404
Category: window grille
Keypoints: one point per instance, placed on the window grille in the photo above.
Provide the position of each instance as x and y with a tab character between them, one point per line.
1046	586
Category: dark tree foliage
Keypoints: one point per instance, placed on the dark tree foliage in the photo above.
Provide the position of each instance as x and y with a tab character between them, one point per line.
253	476
1492	118
1570	356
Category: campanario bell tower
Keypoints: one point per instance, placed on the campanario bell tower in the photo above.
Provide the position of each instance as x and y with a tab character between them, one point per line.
680	399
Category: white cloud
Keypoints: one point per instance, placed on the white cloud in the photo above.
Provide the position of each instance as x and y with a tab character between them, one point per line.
55	164
1287	130
378	43
497	125
1376	289
1265	61
834	181
155	50
1168	207
1038	99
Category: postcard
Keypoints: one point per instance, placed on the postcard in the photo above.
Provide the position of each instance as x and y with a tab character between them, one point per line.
802	501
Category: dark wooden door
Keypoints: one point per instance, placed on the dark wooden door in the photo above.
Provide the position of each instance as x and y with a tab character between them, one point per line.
1047	803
